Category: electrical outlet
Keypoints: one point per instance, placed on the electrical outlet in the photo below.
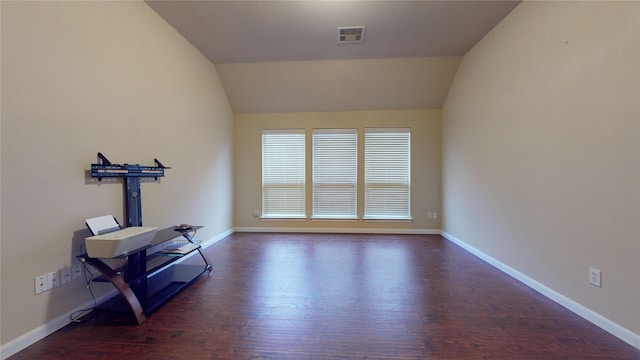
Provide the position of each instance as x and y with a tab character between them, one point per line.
66	274
594	277
435	214
41	283
54	279
76	271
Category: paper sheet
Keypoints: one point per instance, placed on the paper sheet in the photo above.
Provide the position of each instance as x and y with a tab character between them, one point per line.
102	224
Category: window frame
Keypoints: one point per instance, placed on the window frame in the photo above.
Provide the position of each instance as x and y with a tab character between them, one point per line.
344	183
383	168
291	140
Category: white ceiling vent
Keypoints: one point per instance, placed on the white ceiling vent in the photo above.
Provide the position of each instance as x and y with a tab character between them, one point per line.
350	34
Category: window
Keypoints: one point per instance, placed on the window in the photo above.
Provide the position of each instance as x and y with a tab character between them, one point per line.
283	173
387	173
335	174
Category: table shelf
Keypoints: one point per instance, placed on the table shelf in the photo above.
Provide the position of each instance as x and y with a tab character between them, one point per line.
147	281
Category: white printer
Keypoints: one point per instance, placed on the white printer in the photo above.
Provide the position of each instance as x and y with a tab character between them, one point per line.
110	241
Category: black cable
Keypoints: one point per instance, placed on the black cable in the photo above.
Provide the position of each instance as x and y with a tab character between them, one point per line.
88	279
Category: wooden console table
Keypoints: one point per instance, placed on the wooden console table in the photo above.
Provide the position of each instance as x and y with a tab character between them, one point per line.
147	281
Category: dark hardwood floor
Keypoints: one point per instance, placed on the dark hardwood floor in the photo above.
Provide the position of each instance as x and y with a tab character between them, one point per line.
328	296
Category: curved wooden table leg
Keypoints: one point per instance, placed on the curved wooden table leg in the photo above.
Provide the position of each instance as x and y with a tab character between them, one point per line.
120	284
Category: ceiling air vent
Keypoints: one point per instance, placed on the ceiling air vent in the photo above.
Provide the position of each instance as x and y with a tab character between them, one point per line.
350	34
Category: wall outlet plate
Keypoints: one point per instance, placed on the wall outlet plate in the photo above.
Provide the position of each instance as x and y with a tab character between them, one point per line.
76	271
41	283
54	279
66	274
595	277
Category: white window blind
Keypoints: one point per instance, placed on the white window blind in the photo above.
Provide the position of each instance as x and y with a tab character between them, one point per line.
387	174
283	173
335	173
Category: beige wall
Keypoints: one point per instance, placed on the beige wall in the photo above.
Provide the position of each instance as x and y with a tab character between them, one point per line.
425	166
85	77
338	85
541	134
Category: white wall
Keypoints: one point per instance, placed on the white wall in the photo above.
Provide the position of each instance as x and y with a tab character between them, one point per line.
541	154
80	78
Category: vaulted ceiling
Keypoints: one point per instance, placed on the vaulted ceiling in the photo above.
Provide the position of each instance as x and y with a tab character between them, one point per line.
283	56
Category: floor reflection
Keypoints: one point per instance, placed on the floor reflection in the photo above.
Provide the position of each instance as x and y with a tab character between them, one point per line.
328	293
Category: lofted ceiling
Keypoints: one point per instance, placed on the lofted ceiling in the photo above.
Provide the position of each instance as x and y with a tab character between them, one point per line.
283	56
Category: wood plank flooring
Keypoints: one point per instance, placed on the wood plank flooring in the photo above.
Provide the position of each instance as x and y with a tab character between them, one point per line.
329	296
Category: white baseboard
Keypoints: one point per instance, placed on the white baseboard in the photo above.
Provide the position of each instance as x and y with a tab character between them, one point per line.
206	244
39	333
611	327
217	238
339	230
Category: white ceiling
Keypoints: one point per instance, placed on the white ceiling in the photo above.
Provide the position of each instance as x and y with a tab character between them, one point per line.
282	56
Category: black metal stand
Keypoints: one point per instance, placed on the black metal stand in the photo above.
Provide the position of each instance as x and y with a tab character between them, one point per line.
136	264
132	174
143	292
136	268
